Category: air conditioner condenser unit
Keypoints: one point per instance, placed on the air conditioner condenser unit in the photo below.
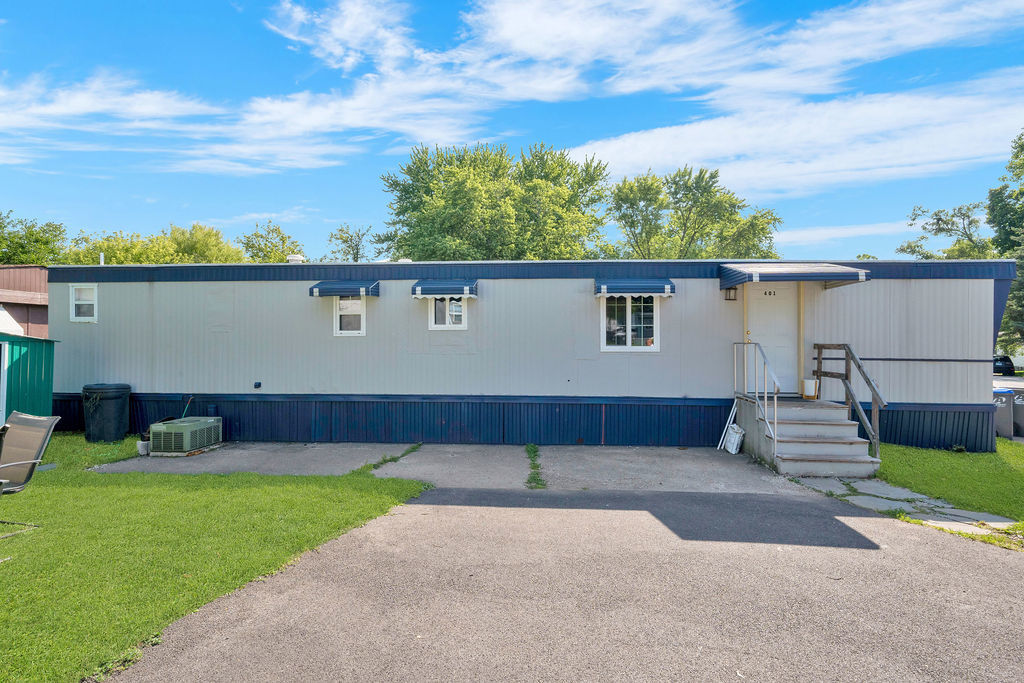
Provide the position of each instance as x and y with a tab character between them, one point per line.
177	437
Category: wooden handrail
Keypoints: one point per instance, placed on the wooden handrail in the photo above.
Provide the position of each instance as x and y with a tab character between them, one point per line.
871	427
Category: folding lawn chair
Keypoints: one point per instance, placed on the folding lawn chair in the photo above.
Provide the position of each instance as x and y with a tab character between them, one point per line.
23	441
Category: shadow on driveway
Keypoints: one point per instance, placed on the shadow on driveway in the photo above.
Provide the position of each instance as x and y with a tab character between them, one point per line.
731	517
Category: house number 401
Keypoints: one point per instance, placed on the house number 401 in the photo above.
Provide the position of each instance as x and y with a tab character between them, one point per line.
769	292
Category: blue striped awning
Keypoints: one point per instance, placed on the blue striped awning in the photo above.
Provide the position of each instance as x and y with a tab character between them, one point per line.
656	286
346	288
832	274
425	288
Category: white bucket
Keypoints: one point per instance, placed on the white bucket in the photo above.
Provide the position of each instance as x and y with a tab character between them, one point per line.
143	447
810	388
734	438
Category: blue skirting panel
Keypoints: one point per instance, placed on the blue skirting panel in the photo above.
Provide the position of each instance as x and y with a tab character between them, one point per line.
617	421
937	425
435	419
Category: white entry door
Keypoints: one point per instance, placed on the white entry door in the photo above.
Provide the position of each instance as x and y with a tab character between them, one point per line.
772	320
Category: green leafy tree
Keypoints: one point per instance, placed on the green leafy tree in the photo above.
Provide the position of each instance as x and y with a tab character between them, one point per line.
202	244
269	244
348	244
638	206
120	248
197	244
687	214
1006	215
866	257
24	241
481	202
1006	202
962	225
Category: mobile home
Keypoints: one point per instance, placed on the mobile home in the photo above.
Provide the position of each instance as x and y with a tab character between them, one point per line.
588	352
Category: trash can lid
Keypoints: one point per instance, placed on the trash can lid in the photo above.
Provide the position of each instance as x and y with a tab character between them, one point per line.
107	388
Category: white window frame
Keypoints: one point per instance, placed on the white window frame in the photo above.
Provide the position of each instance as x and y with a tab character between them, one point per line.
336	317
629	348
431	325
95	302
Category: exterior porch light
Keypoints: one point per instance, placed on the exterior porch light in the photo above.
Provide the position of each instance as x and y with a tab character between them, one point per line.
730	294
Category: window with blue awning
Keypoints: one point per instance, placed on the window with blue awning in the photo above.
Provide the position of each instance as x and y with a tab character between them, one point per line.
621	287
346	288
431	288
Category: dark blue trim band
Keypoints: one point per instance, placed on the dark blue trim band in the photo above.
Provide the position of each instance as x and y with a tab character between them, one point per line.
610	420
431	398
497	270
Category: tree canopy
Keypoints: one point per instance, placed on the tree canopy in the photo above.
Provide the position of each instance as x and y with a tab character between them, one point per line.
269	244
348	244
961	224
197	244
481	202
24	241
687	214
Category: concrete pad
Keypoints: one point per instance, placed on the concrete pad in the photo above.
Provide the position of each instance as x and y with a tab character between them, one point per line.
932	503
879	504
661	469
265	458
935	518
825	485
963	527
463	466
976	516
876	487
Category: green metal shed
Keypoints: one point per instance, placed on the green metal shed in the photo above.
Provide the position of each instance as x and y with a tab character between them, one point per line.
26	375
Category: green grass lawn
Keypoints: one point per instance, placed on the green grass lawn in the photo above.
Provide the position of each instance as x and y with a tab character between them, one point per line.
987	482
118	557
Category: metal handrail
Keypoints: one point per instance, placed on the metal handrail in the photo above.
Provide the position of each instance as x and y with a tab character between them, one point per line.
765	386
878	402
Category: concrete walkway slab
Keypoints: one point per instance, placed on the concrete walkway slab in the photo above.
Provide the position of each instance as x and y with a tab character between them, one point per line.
825	485
463	466
629	468
881	489
976	516
265	458
879	504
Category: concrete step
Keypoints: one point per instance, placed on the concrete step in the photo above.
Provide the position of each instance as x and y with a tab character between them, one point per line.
804	465
828	446
815	428
807	411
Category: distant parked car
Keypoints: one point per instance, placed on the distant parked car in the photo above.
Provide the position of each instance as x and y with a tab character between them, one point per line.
1002	365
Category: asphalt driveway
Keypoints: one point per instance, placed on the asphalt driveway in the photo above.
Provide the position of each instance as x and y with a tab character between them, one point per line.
760	580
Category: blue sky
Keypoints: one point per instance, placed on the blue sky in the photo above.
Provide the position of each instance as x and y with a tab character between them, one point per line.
842	117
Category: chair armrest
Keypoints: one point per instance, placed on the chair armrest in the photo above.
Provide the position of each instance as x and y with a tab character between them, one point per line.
23	462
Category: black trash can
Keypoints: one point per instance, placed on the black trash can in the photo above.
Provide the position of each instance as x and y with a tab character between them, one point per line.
105	407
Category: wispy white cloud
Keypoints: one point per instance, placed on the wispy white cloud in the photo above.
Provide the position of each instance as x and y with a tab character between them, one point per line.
347	34
835	233
797	147
289	215
777	117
